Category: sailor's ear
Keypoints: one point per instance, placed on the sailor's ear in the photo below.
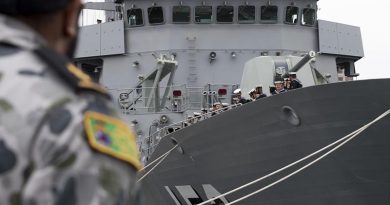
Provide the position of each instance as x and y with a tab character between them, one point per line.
71	17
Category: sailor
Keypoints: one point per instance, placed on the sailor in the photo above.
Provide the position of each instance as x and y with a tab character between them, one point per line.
259	92
252	95
237	95
214	109
60	142
272	89
239	99
294	82
204	112
190	121
218	106
197	116
287	83
279	86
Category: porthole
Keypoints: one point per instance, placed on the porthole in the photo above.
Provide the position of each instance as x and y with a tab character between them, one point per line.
246	14
156	15
181	14
269	14
291	15
135	17
203	14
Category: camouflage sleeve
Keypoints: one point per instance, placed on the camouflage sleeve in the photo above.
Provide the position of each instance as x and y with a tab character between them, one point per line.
67	169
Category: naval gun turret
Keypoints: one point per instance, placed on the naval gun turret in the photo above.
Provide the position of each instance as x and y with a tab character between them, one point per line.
308	57
265	70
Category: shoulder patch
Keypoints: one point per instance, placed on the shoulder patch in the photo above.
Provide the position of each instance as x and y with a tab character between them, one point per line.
111	136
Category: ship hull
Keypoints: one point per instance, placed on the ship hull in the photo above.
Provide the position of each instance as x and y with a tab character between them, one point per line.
238	146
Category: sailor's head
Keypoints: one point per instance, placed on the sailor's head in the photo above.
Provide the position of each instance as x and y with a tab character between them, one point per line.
259	89
292	75
55	20
252	93
217	105
197	115
279	85
237	92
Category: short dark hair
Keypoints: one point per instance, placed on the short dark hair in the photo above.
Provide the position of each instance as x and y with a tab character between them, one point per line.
31	7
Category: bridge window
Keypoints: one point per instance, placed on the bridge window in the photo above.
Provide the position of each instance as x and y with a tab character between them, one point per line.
181	14
308	17
203	14
246	14
291	15
269	14
135	17
225	14
156	15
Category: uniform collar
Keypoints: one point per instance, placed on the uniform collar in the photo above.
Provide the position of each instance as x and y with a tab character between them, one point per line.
19	34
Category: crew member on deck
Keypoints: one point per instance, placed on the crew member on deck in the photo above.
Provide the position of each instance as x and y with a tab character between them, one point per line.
279	85
252	95
294	82
239	99
272	89
287	83
216	109
259	92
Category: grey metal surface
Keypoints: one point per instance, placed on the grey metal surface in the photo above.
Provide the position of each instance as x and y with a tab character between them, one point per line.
89	41
112	38
327	65
221	37
340	39
350	40
107	6
101	40
243	144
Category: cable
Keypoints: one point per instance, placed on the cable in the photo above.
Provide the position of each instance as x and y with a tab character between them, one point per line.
166	153
345	139
155	166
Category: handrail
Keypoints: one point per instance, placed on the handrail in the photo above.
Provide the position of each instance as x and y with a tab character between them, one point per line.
192	98
207	115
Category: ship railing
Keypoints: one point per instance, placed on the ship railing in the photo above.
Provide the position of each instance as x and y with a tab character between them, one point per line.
142	100
154	139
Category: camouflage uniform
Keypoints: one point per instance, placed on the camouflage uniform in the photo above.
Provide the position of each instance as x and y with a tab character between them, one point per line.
46	156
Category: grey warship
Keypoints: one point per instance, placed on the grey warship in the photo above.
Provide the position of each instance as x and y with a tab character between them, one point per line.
164	61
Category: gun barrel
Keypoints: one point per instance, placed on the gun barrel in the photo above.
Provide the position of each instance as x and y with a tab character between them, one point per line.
302	62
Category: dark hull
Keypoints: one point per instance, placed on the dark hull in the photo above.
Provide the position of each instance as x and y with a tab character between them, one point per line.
251	141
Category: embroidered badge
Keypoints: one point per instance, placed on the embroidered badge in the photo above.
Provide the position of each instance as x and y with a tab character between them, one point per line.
112	137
